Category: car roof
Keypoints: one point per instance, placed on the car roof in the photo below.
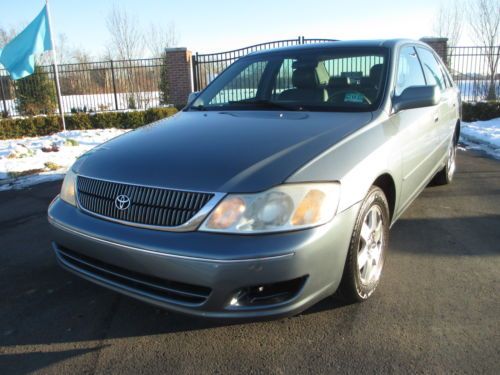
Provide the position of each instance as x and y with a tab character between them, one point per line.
388	43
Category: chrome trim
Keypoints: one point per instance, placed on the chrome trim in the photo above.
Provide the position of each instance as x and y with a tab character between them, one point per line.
189	226
143	185
57	224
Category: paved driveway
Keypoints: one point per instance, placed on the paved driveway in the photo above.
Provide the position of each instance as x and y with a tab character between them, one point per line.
437	308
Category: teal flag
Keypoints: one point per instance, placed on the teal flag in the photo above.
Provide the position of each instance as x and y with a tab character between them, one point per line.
18	56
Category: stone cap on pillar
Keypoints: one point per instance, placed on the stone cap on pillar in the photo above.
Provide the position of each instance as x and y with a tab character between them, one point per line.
175	49
438	44
433	39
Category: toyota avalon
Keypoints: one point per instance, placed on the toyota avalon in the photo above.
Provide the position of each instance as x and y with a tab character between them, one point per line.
272	189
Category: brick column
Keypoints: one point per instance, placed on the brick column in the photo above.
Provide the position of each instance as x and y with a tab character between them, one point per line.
440	45
178	61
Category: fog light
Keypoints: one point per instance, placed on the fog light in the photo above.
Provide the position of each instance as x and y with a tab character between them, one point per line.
267	294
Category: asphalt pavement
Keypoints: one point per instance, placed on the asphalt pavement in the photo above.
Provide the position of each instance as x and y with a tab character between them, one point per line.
437	308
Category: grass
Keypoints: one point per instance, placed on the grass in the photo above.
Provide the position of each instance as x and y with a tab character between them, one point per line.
25	173
51	166
71	142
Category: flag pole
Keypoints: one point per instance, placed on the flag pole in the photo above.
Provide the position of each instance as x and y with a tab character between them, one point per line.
56	73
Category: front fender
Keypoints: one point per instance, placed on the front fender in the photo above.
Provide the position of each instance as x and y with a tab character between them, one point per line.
357	161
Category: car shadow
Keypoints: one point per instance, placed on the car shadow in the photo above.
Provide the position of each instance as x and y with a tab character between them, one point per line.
455	236
27	363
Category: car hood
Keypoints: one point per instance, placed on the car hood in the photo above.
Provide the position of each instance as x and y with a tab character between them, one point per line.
219	151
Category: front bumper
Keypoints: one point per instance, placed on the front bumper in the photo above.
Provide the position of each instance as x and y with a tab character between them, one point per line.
211	268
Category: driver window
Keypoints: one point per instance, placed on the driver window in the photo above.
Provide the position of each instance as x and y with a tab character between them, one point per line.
409	71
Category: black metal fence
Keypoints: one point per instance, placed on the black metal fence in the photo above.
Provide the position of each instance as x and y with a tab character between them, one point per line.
90	87
207	66
136	84
476	72
474	69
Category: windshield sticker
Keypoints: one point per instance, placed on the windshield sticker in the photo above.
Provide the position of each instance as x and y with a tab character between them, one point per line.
353	97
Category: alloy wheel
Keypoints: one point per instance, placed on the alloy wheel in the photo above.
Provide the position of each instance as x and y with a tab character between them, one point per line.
450	164
371	244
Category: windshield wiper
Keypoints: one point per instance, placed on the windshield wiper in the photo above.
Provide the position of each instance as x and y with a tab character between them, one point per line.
266	104
199	107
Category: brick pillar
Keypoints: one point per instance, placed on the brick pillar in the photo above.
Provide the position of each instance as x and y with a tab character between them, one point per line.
180	84
440	45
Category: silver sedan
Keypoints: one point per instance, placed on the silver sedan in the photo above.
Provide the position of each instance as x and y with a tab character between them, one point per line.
273	188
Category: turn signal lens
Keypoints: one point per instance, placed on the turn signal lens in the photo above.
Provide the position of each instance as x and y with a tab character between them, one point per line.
309	210
227	213
68	188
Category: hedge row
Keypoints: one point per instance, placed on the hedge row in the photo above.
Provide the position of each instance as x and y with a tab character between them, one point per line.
46	125
480	111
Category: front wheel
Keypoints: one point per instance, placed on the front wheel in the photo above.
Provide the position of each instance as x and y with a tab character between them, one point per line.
365	258
445	175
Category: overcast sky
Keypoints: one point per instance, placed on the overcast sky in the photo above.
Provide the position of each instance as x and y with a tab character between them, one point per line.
216	25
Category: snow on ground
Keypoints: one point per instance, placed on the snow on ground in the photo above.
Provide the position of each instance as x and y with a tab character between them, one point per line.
483	136
28	161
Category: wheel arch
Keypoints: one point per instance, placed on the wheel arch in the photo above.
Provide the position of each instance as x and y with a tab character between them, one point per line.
386	183
456	134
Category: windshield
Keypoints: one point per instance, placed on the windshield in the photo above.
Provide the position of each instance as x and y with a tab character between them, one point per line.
316	79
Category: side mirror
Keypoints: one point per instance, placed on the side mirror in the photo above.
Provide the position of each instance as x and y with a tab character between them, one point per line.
192	96
416	97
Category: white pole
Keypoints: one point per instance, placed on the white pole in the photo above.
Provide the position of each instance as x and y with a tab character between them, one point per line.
56	73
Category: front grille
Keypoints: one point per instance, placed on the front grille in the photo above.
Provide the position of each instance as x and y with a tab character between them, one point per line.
148	205
157	288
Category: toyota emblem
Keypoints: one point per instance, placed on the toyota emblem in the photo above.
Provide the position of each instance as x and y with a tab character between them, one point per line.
122	202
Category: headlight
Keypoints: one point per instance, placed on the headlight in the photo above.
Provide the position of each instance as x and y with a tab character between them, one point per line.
283	208
68	188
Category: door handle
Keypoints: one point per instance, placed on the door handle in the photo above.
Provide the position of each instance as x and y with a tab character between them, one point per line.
436	118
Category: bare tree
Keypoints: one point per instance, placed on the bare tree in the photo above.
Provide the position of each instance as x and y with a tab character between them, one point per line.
127	43
81	55
63	49
6	35
126	37
448	21
484	21
160	37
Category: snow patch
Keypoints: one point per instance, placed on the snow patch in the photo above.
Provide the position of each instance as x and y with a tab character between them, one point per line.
482	135
32	160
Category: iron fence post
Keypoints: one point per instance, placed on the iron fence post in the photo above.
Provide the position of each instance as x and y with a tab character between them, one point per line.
194	63
114	85
3	95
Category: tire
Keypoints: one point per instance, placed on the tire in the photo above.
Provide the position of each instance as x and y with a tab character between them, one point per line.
368	246
445	175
